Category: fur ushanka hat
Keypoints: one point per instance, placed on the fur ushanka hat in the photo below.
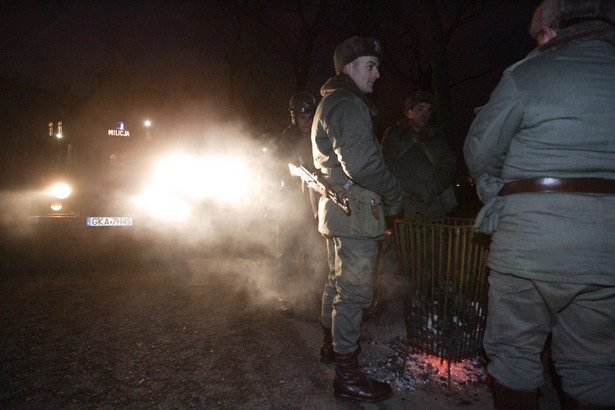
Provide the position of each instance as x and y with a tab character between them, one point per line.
353	48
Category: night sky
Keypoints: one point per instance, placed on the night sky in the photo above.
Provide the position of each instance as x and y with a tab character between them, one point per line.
64	44
56	44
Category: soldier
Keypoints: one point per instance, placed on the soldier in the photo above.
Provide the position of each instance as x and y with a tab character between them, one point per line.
347	154
422	160
541	151
299	247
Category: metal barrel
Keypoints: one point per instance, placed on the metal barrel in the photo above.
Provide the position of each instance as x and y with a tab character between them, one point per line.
445	307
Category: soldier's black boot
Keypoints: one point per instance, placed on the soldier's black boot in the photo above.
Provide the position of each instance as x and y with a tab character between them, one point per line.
350	382
327	355
505	398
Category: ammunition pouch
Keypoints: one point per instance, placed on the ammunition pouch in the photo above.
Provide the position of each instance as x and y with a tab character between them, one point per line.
367	213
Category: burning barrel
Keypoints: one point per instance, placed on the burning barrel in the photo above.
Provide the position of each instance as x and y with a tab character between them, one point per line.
445	306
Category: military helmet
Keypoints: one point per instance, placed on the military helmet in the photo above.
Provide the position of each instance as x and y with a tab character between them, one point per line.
301	103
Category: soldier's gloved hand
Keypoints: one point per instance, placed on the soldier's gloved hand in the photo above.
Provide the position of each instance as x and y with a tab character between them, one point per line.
392	208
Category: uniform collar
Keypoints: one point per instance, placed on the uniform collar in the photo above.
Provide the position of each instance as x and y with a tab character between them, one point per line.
343	81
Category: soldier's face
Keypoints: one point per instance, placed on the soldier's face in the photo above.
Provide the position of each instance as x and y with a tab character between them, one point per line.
304	122
364	72
420	114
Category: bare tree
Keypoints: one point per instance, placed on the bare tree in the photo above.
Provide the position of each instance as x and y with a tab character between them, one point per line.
437	38
436	54
225	33
262	40
293	28
416	38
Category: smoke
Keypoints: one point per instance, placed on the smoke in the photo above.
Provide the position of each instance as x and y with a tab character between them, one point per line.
15	219
258	237
215	179
228	223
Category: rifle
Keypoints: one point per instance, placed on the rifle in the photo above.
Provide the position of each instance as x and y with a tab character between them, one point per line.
320	185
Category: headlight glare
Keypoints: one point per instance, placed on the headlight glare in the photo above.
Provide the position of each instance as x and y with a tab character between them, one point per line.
61	191
56	206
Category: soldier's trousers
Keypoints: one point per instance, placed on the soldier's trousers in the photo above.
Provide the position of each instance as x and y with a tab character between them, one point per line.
348	290
581	320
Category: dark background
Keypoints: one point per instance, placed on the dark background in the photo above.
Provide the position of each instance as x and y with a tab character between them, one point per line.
91	64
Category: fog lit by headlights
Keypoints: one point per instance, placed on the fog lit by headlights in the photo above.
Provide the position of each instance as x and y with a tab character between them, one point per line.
181	182
204	178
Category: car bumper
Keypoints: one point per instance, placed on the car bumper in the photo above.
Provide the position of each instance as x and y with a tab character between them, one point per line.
66	219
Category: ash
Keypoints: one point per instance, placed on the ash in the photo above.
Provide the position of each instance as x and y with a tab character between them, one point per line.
392	361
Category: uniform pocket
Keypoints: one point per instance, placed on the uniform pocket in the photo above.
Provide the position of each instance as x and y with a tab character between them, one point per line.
367	215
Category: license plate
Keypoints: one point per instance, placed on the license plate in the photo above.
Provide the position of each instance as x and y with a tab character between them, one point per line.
109	221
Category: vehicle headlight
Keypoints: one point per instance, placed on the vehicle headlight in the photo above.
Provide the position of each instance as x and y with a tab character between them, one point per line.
56	206
60	191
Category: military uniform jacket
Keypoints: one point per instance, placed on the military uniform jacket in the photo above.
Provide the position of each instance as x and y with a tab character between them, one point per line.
551	115
287	197
423	162
345	148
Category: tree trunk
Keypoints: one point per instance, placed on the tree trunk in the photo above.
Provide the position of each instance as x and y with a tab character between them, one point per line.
436	49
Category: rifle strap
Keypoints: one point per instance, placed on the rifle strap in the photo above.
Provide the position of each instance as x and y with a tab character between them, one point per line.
414	142
427	153
405	149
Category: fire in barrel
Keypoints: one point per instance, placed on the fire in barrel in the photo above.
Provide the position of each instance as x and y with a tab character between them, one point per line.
446	303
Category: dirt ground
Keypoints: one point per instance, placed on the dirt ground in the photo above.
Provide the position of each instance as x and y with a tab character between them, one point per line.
200	333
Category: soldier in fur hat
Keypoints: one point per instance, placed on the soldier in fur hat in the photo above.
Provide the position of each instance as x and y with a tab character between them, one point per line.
541	151
419	156
347	155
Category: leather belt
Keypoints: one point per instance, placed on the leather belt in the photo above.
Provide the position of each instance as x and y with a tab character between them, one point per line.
580	185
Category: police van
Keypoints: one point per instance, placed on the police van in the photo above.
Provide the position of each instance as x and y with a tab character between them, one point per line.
89	185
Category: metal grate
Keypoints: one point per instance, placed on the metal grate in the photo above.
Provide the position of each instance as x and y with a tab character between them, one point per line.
446	303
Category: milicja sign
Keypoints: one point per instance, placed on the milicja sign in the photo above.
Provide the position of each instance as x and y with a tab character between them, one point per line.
119	130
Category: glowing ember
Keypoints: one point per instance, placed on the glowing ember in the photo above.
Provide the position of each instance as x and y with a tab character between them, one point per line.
408	371
432	369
